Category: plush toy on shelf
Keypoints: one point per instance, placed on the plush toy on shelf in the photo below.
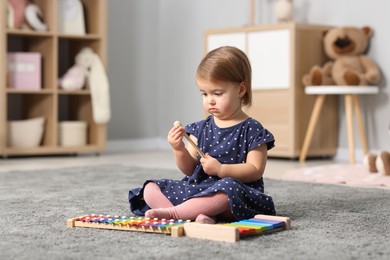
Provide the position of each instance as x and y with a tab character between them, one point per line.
16	10
284	11
74	78
89	71
349	65
24	14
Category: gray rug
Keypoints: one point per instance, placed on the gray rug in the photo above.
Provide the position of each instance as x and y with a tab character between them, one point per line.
328	221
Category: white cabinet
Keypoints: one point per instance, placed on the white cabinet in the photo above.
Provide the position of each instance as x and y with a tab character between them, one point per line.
269	54
233	39
272	70
280	55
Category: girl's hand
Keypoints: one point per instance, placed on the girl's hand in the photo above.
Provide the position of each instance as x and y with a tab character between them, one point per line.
210	165
175	137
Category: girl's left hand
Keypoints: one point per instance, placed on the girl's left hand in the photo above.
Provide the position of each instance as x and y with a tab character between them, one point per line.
210	165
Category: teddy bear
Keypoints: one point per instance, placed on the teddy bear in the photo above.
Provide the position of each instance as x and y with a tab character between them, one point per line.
348	65
380	163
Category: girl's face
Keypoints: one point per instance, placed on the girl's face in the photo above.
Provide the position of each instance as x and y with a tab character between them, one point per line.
222	99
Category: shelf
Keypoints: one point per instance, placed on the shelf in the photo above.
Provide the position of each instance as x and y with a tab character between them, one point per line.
58	51
74	92
28	33
79	37
23	91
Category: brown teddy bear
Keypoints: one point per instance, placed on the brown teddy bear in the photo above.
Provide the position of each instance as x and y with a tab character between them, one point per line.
345	46
379	163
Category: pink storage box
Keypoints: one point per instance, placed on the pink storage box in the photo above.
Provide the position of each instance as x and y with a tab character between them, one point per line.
24	70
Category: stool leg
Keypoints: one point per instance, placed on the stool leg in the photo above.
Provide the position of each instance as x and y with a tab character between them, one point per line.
312	124
362	132
348	111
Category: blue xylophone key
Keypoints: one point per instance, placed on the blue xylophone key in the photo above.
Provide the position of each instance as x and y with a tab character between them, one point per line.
255	224
110	221
276	223
270	224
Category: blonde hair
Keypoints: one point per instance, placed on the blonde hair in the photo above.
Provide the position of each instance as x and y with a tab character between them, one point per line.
228	64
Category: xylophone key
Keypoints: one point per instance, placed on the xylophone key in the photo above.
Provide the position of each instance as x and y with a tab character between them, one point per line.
274	223
260	225
125	223
255	228
246	231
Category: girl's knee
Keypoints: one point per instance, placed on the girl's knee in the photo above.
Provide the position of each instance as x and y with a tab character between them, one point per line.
151	186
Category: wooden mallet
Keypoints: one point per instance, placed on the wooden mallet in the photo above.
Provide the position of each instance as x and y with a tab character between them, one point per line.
177	123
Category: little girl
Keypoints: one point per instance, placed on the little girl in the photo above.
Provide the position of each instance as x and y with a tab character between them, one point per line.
227	183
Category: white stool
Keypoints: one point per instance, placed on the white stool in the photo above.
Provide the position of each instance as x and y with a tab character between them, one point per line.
351	101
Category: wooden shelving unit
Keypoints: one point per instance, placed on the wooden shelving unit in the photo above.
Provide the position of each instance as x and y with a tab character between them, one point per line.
58	52
280	55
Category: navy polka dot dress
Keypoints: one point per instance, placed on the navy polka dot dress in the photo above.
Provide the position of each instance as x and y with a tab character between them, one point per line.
229	146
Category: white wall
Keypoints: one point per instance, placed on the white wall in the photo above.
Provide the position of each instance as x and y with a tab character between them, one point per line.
133	49
155	47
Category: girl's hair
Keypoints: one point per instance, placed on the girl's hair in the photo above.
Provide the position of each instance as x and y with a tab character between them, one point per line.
228	64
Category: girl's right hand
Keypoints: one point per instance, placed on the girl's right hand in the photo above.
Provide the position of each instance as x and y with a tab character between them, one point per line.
175	137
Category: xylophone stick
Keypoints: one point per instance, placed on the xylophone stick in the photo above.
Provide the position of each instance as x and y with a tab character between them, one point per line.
177	123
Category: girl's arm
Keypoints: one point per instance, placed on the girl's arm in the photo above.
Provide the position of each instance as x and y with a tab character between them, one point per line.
186	160
250	171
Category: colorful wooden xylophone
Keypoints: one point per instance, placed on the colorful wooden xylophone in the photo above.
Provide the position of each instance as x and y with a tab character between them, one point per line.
127	223
227	232
231	232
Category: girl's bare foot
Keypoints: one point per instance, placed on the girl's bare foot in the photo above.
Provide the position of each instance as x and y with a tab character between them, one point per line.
205	219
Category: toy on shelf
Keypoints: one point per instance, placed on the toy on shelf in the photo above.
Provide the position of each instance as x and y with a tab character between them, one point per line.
284	11
71	17
346	47
89	71
227	232
24	70
74	78
16	13
24	14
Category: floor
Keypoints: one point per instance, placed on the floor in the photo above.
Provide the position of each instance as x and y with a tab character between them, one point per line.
148	158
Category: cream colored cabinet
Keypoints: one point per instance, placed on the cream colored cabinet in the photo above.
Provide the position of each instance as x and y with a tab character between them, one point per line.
57	51
280	55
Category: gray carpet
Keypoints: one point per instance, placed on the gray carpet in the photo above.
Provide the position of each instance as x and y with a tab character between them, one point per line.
328	221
